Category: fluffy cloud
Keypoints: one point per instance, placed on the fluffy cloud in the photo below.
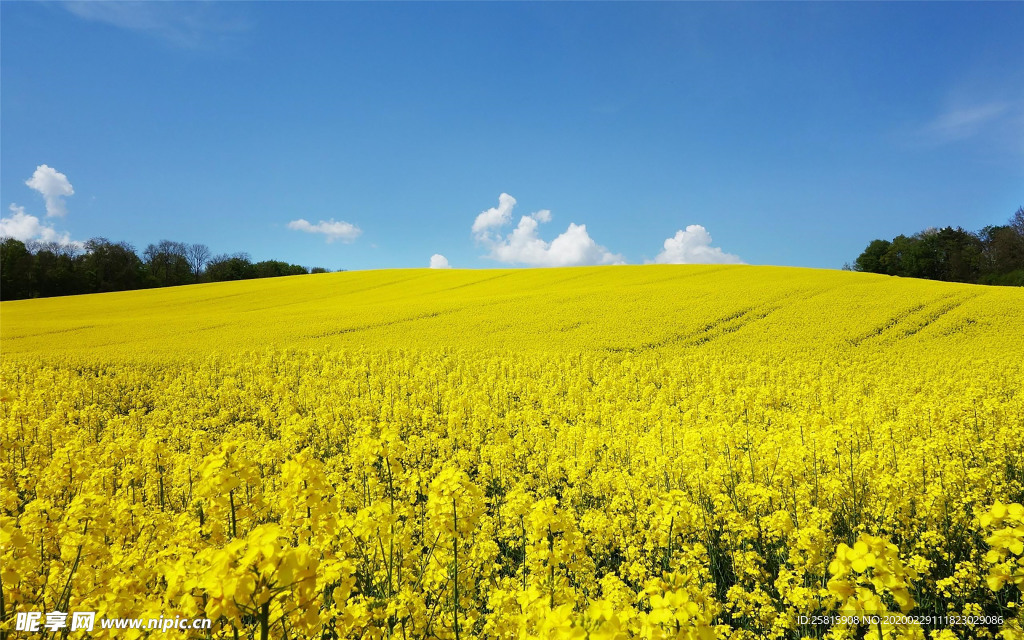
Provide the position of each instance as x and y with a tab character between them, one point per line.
495	216
524	246
693	246
54	186
343	231
437	261
28	228
541	216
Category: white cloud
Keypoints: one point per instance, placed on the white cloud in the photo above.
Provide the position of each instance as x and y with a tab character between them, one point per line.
541	216
965	121
189	25
693	246
524	246
437	261
495	216
343	231
54	186
28	228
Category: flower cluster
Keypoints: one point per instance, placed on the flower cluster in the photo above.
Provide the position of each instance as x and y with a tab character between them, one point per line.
670	462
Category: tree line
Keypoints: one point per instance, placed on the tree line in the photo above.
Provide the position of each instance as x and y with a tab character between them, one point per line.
994	255
45	269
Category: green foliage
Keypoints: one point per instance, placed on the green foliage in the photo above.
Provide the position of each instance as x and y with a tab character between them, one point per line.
42	270
873	258
1013	279
111	266
15	269
224	267
994	255
275	268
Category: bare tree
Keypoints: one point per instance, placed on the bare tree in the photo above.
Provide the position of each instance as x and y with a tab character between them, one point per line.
198	255
70	249
66	249
167	263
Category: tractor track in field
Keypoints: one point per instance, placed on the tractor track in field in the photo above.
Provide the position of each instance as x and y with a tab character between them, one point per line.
941	311
380	325
391	283
50	333
388	323
929	313
721	326
753	315
470	284
875	332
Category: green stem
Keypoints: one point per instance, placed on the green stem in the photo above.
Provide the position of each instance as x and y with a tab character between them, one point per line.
455	547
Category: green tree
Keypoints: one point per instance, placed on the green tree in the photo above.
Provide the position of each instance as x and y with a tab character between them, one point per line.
16	265
277	268
959	255
57	270
111	266
995	255
225	267
872	259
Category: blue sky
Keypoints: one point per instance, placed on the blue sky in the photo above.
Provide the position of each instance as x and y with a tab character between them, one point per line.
375	135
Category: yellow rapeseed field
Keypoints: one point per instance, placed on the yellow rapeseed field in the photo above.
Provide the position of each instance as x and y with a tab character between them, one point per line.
613	452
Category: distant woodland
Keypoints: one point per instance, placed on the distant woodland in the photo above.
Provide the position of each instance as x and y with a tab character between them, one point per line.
41	270
994	255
